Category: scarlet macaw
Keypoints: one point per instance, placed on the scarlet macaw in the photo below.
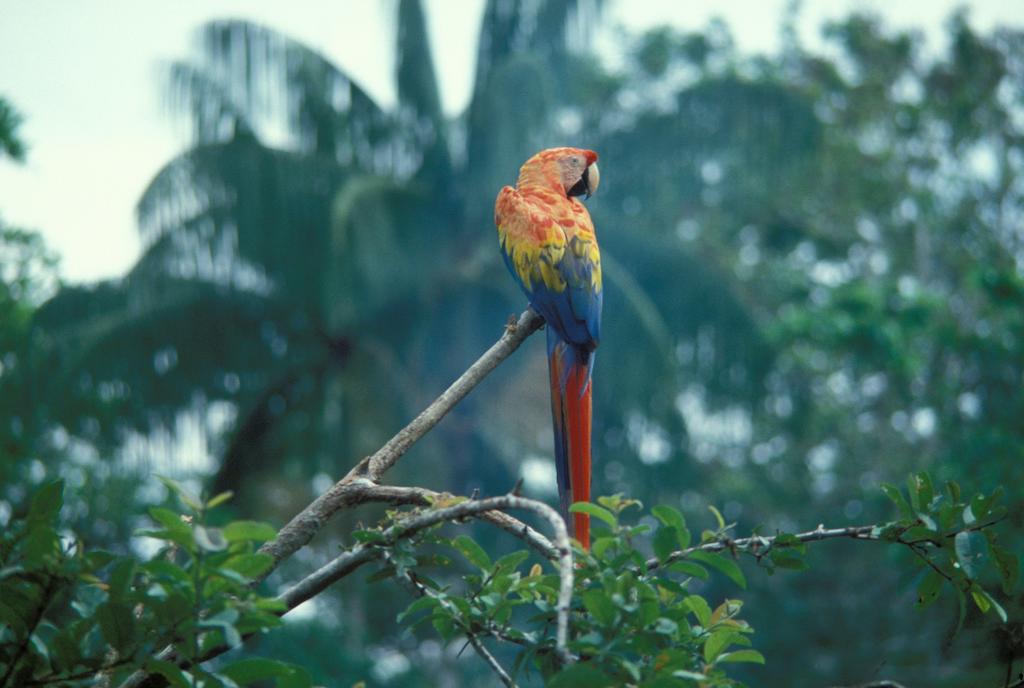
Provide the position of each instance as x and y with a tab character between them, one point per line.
548	242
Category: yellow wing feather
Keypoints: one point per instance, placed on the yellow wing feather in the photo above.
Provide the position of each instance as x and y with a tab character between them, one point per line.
532	241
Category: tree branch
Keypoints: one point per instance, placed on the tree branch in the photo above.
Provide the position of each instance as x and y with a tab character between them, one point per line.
393	494
346	492
348	562
359	485
875	684
759	544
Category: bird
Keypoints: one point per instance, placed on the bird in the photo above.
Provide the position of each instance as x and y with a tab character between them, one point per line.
549	245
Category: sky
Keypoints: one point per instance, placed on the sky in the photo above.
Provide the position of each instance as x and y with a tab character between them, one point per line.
87	77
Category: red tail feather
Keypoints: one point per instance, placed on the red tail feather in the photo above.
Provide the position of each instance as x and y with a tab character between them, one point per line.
578	406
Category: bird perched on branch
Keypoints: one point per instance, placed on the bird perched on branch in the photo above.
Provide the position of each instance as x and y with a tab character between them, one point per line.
548	242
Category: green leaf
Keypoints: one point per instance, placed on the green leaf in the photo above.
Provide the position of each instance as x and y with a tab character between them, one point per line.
596	511
250	565
751	656
511	561
665	540
271	604
700	608
42	546
669	516
690	675
249	531
209	539
894	495
170	671
95	559
970	552
961	609
178	489
600	546
1008	565
476	555
718	516
789	541
928	590
64	648
986	602
788	560
121	577
689	568
968	516
981	599
717	642
919	487
225	621
417	605
727	566
580	676
366	537
116	623
167	571
170	520
46	502
928	521
250	670
600	606
219	499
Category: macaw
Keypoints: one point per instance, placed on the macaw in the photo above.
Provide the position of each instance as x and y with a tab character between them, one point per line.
547	240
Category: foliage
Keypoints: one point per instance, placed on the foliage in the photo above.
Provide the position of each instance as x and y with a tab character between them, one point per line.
10	143
813	264
71	615
952	539
647	621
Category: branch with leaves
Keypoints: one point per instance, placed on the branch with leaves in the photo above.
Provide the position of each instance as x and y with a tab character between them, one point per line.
633	617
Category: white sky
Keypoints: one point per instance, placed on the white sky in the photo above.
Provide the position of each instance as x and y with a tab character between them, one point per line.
86	76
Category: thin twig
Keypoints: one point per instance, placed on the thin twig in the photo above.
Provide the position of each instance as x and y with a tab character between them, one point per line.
759	542
883	683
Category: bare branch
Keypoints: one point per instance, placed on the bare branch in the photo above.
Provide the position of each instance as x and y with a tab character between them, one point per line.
875	684
303	527
392	494
756	544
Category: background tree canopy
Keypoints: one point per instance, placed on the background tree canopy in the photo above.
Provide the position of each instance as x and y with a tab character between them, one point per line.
815	284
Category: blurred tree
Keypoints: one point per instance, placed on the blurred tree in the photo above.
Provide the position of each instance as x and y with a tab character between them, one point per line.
864	209
10	143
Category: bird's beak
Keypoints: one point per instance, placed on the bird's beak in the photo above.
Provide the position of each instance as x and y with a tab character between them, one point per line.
591	177
588	182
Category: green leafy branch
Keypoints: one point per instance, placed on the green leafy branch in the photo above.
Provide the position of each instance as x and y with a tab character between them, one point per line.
636	618
611	616
93	616
951	536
